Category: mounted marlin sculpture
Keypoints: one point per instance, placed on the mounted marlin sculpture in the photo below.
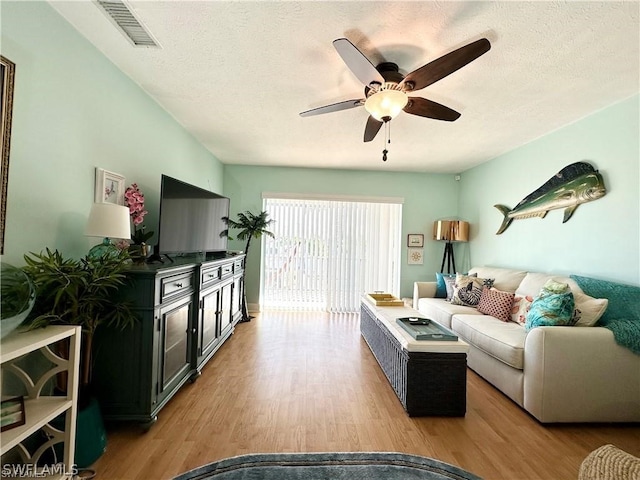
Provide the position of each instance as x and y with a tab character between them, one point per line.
574	184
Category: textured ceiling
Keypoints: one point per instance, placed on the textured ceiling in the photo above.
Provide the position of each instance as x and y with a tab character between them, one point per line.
237	74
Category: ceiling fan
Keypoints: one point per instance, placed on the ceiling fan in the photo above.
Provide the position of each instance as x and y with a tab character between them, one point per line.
386	89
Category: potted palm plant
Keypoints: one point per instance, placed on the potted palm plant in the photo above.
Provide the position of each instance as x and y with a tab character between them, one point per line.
84	293
251	226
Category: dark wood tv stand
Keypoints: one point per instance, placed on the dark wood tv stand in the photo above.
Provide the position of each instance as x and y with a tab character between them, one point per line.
187	310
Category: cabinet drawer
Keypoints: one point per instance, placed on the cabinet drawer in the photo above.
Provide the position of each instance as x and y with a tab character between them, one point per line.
238	265
175	286
209	275
227	270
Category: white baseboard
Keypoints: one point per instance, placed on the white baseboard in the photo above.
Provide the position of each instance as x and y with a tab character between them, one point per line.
253	307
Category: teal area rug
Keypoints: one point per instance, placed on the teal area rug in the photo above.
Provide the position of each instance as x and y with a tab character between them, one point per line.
328	466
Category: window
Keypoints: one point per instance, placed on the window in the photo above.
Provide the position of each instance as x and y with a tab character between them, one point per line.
327	253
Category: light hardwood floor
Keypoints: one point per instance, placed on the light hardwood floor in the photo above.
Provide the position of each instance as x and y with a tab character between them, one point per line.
300	382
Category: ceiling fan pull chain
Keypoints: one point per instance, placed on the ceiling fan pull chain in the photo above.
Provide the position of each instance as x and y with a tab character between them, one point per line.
387	139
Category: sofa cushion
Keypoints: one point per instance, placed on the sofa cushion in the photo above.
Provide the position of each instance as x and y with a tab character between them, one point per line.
496	303
505	279
532	283
591	309
501	340
441	311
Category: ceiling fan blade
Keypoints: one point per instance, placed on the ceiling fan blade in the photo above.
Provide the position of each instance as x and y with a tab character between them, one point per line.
360	65
334	107
372	129
430	109
445	65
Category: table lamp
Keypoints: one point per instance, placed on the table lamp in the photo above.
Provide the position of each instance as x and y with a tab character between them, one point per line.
450	231
107	220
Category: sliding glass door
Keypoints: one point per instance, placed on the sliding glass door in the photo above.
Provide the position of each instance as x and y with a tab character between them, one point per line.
328	252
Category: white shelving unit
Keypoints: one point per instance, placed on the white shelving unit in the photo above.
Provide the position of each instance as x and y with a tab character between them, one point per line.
40	409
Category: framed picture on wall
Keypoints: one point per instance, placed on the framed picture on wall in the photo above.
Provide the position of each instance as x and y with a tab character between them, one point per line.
7	76
415	256
109	187
415	240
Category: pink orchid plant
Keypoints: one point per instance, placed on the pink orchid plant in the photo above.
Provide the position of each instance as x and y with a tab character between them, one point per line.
134	199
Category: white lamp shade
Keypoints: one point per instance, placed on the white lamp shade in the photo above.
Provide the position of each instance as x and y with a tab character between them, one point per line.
108	220
386	103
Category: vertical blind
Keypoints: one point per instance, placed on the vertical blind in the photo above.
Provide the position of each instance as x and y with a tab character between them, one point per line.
327	253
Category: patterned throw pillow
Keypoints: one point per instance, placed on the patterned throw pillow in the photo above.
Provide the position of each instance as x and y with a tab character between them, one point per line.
467	290
441	286
488	282
496	303
449	283
553	286
554	306
520	308
622	300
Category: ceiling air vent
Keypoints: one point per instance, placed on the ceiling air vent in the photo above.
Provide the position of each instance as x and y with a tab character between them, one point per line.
133	29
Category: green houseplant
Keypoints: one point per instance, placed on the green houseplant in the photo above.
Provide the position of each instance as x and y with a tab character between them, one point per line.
79	292
251	226
84	293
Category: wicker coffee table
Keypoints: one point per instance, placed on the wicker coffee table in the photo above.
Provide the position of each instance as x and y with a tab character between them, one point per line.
429	377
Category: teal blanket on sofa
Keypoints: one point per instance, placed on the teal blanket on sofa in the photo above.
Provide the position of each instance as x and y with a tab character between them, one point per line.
622	315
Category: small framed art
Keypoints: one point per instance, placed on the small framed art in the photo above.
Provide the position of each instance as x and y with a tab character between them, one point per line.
109	187
415	240
415	256
12	413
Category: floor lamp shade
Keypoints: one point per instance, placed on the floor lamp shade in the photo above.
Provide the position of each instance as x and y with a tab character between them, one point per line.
450	231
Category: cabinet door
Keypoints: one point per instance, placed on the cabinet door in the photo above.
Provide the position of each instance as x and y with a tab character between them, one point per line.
226	294
175	335
208	321
236	308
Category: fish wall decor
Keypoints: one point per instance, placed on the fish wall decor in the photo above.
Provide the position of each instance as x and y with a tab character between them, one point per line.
574	184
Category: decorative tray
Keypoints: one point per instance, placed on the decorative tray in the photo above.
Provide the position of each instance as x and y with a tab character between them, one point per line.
424	329
384	300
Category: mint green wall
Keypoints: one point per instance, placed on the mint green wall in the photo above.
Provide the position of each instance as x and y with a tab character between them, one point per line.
602	239
74	111
427	197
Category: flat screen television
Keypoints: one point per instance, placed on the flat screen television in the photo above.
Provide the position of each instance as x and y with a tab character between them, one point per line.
191	219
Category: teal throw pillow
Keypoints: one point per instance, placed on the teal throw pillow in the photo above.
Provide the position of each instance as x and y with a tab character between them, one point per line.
552	307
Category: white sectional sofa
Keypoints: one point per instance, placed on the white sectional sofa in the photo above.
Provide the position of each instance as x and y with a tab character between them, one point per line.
556	373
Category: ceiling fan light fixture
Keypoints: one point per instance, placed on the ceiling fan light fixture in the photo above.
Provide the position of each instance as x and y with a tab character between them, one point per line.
386	104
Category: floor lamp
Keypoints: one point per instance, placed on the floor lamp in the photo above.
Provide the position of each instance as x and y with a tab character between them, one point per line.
450	231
